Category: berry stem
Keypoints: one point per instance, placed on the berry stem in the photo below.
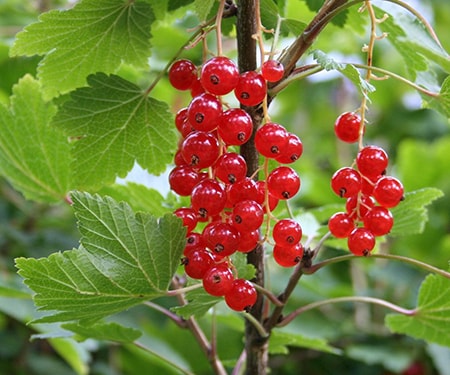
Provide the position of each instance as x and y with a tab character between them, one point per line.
174	317
219	27
262	332
314	305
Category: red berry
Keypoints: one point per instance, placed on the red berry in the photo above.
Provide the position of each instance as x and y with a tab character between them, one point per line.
242	190
287	232
200	149
241	296
341	225
247	215
261	196
283	182
182	74
379	221
347	127
196	88
292	151
357	206
230	167
288	256
346	182
180	118
219	75
361	241
204	111
271	139
221	238
388	191
194	240
208	198
372	161
197	262
272	70
189	217
251	89
218	280
248	241
182	179
235	127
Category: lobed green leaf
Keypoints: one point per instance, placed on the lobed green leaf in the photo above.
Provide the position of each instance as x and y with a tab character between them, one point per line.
104	332
281	340
199	302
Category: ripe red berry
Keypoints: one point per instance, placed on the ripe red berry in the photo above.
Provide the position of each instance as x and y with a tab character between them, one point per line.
361	241
283	182
242	190
182	179
287	232
372	161
219	75
288	256
272	70
180	118
247	215
388	191
357	206
208	198
204	111
197	262
251	89
248	241
230	167
347	127
241	296
182	74
218	280
189	217
235	127
194	240
291	151
221	238
346	182
379	221
261	196
341	225
200	149
271	139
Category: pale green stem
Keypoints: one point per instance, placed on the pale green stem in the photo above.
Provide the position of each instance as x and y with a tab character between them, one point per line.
262	332
179	291
272	298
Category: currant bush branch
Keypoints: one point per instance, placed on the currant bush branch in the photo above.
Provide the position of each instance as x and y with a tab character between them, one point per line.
174	317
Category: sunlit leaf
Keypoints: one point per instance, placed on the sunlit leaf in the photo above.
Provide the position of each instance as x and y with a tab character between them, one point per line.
280	341
104	332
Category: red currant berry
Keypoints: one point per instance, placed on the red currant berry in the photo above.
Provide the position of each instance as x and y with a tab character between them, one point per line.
242	190
287	232
219	75
379	221
346	182
361	241
182	74
197	262
372	161
208	198
197	88
341	225
221	238
357	206
283	182
261	196
272	70
271	139
235	127
251	89
182	179
200	149
194	240
189	217
180	118
247	215
292	151
248	241
218	280
388	191
204	111
347	127
241	296
288	256
230	167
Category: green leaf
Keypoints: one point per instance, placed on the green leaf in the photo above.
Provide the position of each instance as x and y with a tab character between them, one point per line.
113	123
34	156
432	315
93	36
203	8
270	17
410	216
243	269
124	259
442	102
199	302
104	332
281	340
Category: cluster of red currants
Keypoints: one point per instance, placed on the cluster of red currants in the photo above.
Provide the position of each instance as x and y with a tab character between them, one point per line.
370	193
227	208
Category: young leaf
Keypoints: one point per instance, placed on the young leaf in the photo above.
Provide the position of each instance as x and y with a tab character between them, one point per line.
124	259
104	332
411	215
93	36
199	302
202	8
432	315
34	156
112	124
280	340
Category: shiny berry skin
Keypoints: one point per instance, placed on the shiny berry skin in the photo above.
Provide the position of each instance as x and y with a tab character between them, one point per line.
189	217
208	198
388	191
182	74
287	232
283	182
230	167
221	238
261	196
196	88
247	215
271	139
251	89
218	280
341	225
379	221
241	296
200	149
180	118
361	241
242	190
194	240
347	127
182	179
346	182
272	70
235	127
219	75
288	256
203	112
291	151
197	262
248	241
372	161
